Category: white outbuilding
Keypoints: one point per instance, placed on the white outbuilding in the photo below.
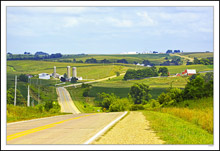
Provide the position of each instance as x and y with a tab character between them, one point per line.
44	76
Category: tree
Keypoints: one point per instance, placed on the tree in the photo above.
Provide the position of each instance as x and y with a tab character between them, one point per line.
74	80
195	88
23	77
117	73
74	60
140	93
130	74
106	99
163	71
208	76
65	75
86	92
11	94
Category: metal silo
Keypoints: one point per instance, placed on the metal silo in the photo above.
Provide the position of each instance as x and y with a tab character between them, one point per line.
68	72
74	71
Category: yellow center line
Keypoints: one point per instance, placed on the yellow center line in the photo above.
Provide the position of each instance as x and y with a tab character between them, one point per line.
23	133
65	101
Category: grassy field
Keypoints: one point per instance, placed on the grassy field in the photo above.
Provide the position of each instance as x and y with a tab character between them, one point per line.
198	55
87	71
180	69
19	113
121	87
154	58
175	130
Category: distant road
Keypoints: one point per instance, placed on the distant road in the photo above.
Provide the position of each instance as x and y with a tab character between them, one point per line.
66	102
205	71
77	84
64	129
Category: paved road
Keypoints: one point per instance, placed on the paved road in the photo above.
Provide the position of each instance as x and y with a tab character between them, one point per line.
66	102
77	84
64	129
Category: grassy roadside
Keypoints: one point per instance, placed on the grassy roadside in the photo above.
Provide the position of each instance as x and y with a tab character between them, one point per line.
19	113
175	130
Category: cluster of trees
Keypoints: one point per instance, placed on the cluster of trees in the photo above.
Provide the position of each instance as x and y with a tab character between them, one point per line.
112	103
122	61
144	73
92	60
176	60
23	77
163	71
37	56
19	98
147	62
205	61
197	87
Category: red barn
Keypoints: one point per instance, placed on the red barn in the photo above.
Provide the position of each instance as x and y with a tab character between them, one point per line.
189	72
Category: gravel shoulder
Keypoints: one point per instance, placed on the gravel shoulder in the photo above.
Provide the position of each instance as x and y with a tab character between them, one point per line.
133	129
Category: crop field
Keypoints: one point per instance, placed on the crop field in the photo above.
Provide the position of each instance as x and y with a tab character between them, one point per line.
121	87
181	68
154	58
198	55
87	71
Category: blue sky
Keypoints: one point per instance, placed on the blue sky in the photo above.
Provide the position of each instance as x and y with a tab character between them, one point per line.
108	30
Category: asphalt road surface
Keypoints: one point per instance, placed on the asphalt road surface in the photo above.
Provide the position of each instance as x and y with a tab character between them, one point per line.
66	102
64	129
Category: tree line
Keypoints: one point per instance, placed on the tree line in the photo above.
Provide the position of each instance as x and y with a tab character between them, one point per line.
205	61
145	73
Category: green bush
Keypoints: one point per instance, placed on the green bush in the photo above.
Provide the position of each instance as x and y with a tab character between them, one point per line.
135	107
119	105
86	92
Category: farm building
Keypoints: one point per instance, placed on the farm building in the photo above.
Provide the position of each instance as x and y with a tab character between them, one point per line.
44	76
178	75
189	72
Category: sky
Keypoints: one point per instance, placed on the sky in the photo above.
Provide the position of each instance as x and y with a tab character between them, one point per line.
109	30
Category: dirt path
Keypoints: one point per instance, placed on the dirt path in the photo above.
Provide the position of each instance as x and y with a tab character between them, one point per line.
133	129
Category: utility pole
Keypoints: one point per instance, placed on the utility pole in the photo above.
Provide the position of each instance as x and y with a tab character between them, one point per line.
15	90
28	98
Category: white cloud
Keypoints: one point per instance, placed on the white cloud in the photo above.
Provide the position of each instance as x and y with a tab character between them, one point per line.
120	22
70	22
146	20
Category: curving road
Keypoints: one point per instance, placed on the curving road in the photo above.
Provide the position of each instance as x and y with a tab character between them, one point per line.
66	102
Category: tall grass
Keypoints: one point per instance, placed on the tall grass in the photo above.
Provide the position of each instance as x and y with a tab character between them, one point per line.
174	130
19	113
198	112
204	119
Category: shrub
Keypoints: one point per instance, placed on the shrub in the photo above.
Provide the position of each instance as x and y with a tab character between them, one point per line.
86	92
119	105
136	107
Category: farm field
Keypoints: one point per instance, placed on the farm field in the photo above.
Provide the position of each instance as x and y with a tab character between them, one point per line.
154	58
87	71
198	55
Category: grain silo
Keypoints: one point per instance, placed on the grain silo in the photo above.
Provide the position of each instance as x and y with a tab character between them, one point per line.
54	71
74	71
68	72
